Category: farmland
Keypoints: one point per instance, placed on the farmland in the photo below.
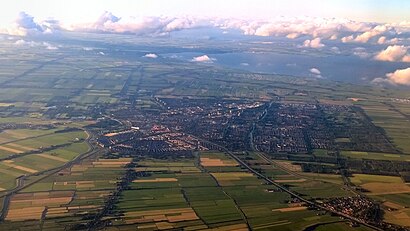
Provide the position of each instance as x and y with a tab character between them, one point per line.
218	195
116	141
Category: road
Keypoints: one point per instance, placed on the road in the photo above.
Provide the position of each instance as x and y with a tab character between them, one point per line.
20	184
286	190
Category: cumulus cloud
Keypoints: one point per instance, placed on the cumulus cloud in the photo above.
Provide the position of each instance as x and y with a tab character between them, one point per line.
46	45
347	39
109	23
203	58
382	40
151	55
399	77
314	43
393	53
298	27
24	24
366	36
315	72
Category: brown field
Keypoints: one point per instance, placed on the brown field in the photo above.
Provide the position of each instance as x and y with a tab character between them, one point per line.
52	157
168	169
400	217
289	166
25	169
27	206
156	180
20	146
386	188
290	209
25	214
163	215
62	211
12	150
393	205
208	162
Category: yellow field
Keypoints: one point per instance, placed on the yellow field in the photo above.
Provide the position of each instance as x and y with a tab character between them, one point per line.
28	206
400	217
386	188
12	150
167	215
208	162
25	214
26	148
290	209
52	157
289	166
228	178
25	169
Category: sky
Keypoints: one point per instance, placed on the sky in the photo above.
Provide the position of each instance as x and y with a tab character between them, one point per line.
86	10
374	30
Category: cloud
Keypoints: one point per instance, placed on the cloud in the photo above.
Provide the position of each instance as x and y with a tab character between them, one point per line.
393	53
46	45
347	39
335	50
401	76
151	55
203	58
144	25
314	43
315	72
361	52
366	36
382	40
49	46
24	24
292	35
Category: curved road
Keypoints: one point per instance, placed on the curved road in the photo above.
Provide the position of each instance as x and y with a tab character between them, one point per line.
20	180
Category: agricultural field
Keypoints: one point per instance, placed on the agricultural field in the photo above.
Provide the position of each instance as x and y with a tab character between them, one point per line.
61	200
391	191
210	191
32	151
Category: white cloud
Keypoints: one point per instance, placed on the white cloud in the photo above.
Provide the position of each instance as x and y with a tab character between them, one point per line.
347	39
401	76
46	45
49	46
314	43
315	72
361	52
24	24
393	53
109	23
203	58
366	36
151	55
